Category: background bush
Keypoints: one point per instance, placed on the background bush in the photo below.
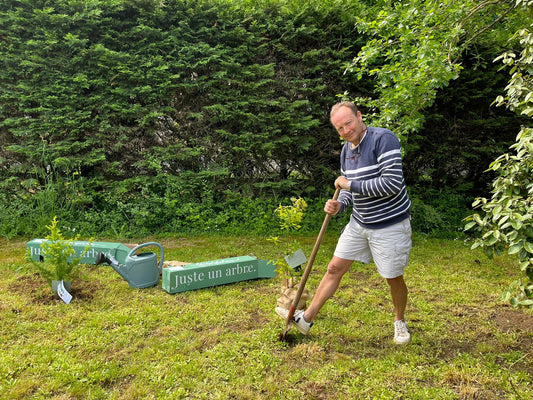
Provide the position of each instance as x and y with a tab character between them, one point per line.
136	117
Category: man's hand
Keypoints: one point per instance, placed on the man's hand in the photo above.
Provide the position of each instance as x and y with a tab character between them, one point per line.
332	207
342	183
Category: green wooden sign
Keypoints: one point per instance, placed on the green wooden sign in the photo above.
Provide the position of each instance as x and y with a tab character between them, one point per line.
217	272
118	251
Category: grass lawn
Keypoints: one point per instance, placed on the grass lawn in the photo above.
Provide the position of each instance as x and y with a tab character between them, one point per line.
114	342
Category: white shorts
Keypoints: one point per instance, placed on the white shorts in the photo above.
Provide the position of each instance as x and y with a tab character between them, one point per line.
389	247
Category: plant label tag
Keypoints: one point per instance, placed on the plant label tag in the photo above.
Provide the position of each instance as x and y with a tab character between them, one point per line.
63	294
296	259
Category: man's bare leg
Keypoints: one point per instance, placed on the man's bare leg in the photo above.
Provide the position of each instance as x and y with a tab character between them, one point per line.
398	290
328	286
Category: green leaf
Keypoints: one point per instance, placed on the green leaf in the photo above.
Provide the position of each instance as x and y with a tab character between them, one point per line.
470	225
506	295
493	240
516	224
515	248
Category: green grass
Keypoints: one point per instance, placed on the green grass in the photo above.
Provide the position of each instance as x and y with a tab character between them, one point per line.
114	342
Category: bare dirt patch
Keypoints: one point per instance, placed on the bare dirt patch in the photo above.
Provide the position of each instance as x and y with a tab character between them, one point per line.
520	324
26	284
510	320
40	292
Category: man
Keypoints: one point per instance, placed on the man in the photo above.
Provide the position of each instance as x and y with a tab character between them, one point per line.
379	229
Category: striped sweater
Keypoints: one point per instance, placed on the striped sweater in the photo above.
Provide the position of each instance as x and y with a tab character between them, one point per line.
377	188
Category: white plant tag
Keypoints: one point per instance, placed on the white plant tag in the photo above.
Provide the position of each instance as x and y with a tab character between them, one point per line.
296	259
63	294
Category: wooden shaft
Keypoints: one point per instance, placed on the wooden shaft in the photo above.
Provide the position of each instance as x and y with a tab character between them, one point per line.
311	261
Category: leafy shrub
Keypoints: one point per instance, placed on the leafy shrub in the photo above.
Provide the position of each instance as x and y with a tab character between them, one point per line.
438	213
59	256
505	221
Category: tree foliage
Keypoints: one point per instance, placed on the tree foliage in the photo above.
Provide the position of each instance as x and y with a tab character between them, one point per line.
463	131
146	115
506	222
416	48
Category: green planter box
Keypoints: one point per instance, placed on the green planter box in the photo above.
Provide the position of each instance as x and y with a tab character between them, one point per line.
216	272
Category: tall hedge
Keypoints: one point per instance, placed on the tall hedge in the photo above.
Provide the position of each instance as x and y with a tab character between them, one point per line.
214	94
150	112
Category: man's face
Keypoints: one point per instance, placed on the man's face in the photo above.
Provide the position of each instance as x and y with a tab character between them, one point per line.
349	125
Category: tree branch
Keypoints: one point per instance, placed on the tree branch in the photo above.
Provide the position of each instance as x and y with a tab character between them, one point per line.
472	12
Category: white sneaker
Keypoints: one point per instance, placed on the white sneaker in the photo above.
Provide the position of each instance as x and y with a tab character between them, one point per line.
401	332
298	319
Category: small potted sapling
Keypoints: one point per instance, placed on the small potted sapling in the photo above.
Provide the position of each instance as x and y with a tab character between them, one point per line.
59	258
290	222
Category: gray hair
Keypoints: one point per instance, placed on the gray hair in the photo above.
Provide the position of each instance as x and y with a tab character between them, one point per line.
348	104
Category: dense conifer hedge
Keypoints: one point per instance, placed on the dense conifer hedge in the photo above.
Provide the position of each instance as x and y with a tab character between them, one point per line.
162	115
106	102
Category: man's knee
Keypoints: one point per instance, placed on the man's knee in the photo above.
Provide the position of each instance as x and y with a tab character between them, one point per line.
337	267
396	282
